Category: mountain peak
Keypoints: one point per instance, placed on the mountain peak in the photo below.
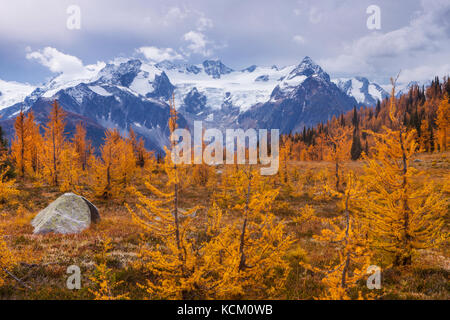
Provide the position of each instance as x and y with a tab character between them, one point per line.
166	64
215	68
212	61
250	69
362	79
309	68
364	91
308	63
308	60
122	73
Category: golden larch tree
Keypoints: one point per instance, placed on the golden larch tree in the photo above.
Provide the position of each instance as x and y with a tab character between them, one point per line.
7	260
340	145
71	173
425	139
19	144
34	154
54	143
404	214
346	232
247	253
443	123
104	280
140	153
173	263
203	174
26	145
7	186
82	146
7	190
113	172
285	154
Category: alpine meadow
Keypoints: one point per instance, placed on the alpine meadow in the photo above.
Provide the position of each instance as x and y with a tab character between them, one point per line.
144	168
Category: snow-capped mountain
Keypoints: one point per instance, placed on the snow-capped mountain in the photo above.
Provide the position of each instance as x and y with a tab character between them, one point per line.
13	92
219	83
402	89
360	88
131	93
110	98
288	85
304	97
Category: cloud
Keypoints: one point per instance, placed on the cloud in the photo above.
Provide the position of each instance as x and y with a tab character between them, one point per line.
204	23
427	32
301	7
412	35
197	42
159	54
174	14
315	15
424	73
69	67
56	61
298	39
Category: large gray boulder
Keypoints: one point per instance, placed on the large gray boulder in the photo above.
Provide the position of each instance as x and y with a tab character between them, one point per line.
68	214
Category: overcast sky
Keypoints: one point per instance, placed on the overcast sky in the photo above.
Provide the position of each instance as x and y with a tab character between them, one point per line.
36	44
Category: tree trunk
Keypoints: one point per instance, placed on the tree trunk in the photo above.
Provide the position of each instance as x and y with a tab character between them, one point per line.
55	177
242	262
405	257
22	150
347	259
337	175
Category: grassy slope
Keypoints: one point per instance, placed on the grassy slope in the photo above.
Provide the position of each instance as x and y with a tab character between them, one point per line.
44	259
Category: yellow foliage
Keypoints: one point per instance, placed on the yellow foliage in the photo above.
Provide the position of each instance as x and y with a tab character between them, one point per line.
103	278
347	233
19	144
425	139
404	215
72	175
54	144
26	145
82	147
443	123
7	260
340	143
247	255
285	154
174	262
7	188
114	172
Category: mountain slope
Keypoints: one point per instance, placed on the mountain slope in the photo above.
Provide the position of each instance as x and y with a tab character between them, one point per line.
130	93
305	97
360	88
108	101
12	92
